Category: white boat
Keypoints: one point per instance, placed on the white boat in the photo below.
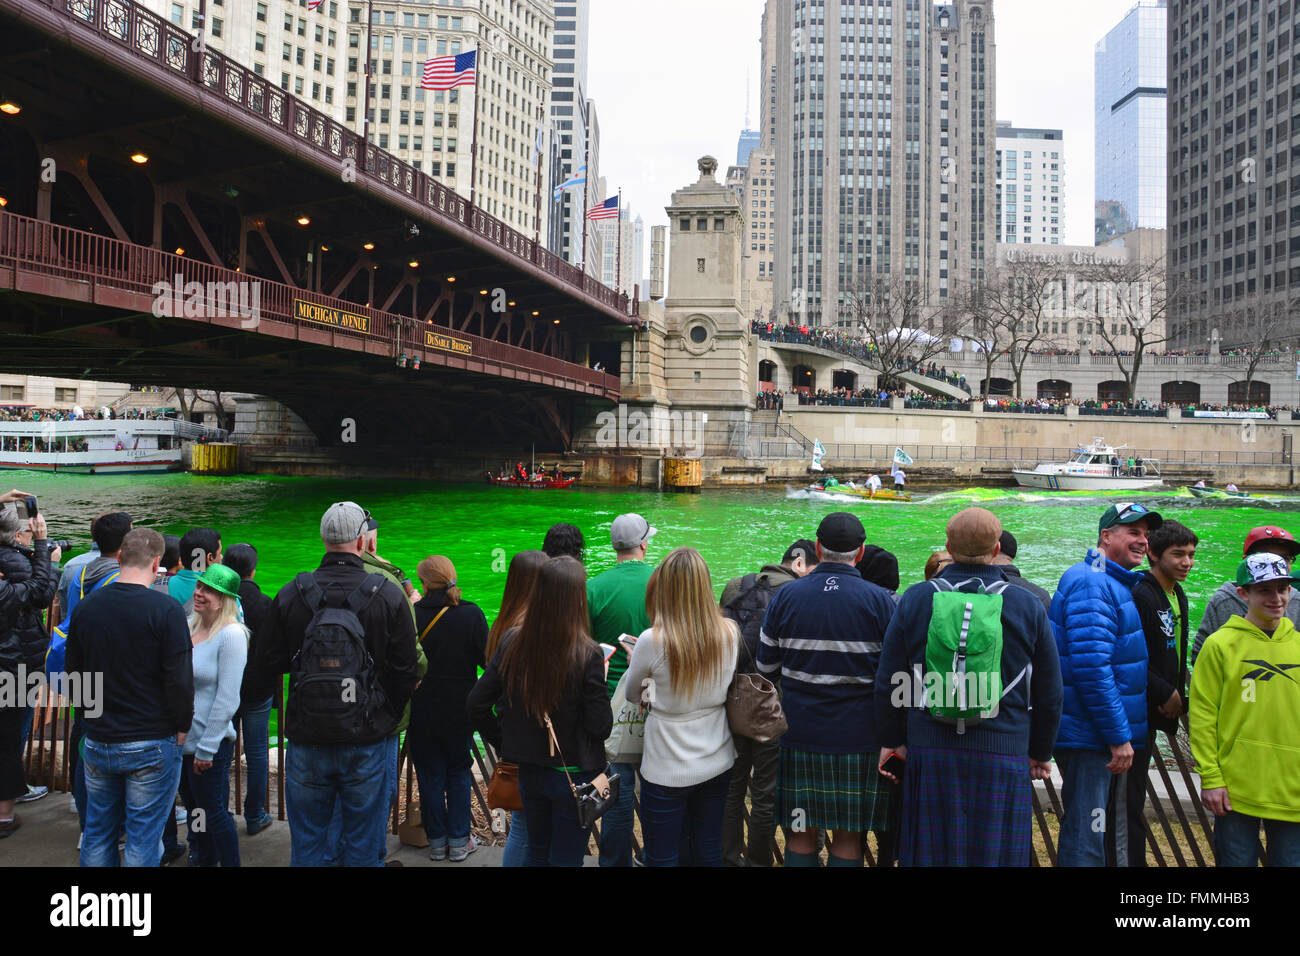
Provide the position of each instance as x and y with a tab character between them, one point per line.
99	447
1090	469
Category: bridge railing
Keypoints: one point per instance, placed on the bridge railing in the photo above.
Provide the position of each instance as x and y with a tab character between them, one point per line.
203	292
182	54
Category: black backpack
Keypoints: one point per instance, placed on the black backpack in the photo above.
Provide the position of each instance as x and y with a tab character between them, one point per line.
747	609
335	683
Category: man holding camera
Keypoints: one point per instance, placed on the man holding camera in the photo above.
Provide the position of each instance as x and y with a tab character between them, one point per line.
27	584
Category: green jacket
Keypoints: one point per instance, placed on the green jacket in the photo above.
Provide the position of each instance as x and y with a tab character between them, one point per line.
393	573
1244	709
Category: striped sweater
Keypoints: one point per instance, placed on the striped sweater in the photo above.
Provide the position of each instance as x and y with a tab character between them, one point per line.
821	640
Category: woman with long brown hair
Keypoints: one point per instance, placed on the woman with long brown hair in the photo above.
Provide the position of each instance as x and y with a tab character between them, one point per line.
453	633
689	652
520	579
549	668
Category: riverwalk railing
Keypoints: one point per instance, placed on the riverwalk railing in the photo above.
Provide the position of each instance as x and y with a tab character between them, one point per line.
994	455
1177	830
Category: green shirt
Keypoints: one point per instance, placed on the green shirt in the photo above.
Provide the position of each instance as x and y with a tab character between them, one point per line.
616	603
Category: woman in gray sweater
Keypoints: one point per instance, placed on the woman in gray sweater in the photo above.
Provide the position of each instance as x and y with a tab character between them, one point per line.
689	655
220	653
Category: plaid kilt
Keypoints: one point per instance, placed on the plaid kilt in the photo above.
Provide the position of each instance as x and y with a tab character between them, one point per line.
966	808
834	792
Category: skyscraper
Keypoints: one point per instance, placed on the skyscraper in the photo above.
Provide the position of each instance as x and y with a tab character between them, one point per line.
1130	123
885	149
1031	185
570	118
749	140
1233	267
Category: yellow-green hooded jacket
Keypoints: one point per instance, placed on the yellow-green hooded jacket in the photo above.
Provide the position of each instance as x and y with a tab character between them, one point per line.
1244	712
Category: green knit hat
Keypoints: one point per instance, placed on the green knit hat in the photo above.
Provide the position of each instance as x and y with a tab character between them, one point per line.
221	578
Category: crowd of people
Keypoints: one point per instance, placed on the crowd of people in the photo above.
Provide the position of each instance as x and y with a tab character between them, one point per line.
921	716
22	413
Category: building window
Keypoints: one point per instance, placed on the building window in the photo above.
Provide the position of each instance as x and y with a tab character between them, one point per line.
261	12
65	396
12	393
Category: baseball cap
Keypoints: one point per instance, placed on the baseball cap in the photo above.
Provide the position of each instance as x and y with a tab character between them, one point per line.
372	524
1129	513
841	532
1262	567
1278	539
972	534
629	531
342	522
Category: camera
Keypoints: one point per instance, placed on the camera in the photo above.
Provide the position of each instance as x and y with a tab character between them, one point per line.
62	544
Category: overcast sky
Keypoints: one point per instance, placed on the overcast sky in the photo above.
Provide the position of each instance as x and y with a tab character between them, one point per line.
669	81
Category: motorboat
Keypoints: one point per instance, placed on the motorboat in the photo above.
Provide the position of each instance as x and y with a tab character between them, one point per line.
1093	469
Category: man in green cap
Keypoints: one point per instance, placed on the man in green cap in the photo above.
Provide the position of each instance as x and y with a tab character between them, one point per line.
1103	654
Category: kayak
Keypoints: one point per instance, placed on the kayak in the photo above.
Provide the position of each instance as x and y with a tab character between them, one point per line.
884	494
1216	493
544	484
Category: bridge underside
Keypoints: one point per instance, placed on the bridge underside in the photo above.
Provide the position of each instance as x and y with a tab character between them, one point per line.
433	408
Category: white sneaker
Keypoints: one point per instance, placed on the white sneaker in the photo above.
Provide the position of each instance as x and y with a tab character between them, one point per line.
458	854
72	804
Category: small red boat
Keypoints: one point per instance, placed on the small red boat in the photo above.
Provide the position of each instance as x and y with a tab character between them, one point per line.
540	484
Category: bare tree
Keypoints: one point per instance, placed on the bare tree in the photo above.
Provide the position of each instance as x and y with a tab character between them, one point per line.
1014	313
1129	302
897	325
1258	328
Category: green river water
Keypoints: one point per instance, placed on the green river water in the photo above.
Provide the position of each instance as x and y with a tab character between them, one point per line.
479	527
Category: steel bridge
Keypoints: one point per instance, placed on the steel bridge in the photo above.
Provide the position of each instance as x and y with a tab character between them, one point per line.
169	217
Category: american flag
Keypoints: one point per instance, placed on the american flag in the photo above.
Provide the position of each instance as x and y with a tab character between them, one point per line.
606	210
314	4
445	72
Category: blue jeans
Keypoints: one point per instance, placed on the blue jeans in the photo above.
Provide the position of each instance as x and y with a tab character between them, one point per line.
78	768
672	815
554	837
442	768
356	777
616	824
131	783
206	796
1236	841
254	724
1093	798
335	855
516	851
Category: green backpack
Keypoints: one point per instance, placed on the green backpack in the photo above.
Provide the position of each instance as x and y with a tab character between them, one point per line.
963	652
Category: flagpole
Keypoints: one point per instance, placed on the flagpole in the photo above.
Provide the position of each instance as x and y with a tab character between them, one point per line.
537	215
618	252
586	180
473	159
365	106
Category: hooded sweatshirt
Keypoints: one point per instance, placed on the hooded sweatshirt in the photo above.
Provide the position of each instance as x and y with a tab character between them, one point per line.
1245	706
1224	604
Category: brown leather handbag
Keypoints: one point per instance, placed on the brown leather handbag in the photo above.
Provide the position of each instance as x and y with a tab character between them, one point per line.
754	706
503	788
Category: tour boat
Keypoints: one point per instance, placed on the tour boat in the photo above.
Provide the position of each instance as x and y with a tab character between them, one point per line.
1090	469
884	494
1216	492
537	484
94	446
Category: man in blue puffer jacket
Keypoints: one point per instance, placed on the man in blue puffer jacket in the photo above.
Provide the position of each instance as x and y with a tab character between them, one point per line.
1103	656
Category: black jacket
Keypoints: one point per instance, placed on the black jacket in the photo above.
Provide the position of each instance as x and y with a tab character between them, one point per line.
390	639
1166	651
1012	574
257	685
582	720
26	590
455	648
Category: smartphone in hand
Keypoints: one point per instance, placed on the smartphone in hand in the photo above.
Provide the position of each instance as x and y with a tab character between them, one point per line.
894	764
608	651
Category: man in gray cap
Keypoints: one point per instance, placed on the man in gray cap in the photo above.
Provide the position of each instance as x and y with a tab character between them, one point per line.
616	604
347	641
